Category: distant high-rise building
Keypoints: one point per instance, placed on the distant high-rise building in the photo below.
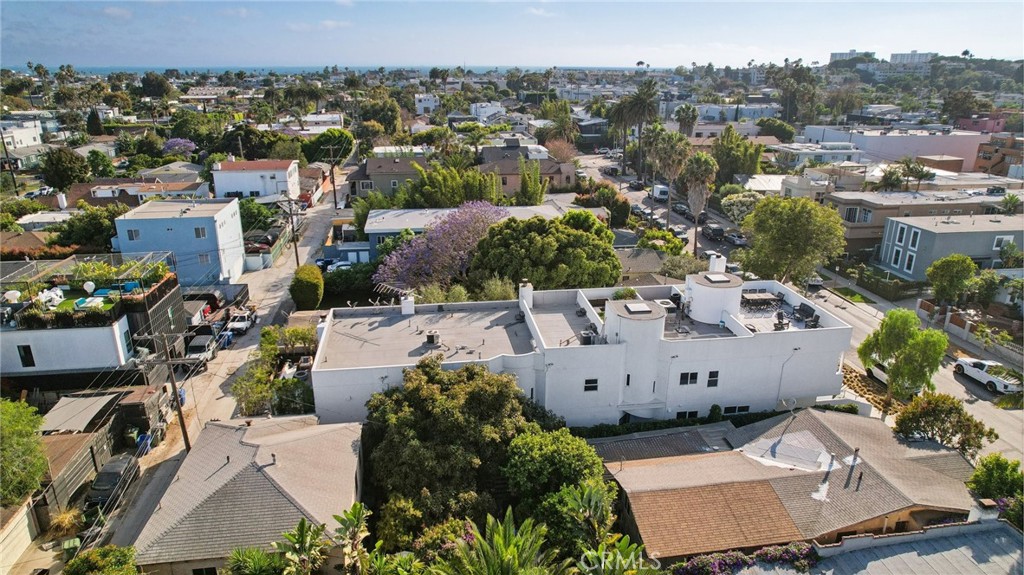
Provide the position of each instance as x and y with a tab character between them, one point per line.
837	56
913	57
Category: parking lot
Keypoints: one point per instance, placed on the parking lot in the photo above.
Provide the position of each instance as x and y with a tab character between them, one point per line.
594	164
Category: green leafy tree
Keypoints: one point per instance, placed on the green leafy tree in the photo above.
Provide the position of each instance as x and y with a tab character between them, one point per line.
151	145
206	174
686	115
9	224
985	286
100	164
643	109
782	131
996	477
951	277
616	558
505	549
91	227
254	215
206	130
579	517
496	289
21	207
62	167
542	462
735	155
361	208
304	548
7	183
288	150
532	186
108	560
662	241
552	254
385	112
792	237
21	450
962	104
307	287
698	174
682	265
254	561
93	124
911	356
449	187
942	417
126	144
331	143
156	86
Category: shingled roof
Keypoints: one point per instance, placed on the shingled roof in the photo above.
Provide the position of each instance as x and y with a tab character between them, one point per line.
245	486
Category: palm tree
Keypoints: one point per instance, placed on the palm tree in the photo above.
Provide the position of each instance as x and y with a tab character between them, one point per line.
350	534
699	172
672	153
621	118
644	108
504	550
475	138
913	170
686	115
253	561
1009	204
652	138
618	558
304	548
564	127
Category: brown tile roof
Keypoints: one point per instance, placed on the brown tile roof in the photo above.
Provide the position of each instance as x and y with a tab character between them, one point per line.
61	448
83	191
709	518
24	240
248	165
640	260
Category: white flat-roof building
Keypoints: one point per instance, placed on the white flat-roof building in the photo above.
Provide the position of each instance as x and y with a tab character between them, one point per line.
267	181
797	154
893	144
427	103
681	349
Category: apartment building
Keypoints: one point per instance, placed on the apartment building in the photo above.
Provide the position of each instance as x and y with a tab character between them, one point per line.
910	245
891	145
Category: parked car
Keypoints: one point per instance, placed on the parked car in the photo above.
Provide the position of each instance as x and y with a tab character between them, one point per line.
658	193
324	263
680	208
202	348
992	374
603	150
636	185
344	265
581	175
879	373
612	170
241	321
636	209
708	254
45	190
701	219
815	281
736	239
713	232
112	481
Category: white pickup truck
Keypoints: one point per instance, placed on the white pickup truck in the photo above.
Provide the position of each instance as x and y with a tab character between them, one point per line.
992	374
239	321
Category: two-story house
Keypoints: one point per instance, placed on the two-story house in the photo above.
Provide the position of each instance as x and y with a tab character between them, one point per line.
1000	154
204	237
383	175
910	245
427	103
267	181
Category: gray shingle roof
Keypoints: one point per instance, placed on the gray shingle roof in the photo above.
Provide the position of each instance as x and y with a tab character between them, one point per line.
230	492
662	443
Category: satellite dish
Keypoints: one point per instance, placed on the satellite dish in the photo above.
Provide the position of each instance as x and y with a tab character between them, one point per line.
89	287
12	296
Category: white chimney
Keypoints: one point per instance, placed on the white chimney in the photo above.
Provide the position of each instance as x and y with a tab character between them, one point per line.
526	293
216	167
62	200
408	304
231	157
717	264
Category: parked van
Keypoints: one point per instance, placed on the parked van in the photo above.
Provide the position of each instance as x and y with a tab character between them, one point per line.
713	232
658	193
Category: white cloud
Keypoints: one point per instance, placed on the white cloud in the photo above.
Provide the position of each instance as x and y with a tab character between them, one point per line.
539	12
119	13
236	12
334	24
298	26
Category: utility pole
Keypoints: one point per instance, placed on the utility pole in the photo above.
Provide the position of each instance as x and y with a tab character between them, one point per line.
295	231
14	179
241	152
172	363
334	162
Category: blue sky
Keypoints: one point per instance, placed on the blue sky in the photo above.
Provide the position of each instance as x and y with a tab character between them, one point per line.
161	33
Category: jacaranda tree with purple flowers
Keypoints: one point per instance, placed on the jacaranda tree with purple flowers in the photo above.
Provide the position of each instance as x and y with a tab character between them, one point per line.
442	253
179	147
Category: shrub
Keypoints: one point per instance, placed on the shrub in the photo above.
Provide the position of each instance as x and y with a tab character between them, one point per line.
65	523
850	408
496	289
624	293
307	287
715	414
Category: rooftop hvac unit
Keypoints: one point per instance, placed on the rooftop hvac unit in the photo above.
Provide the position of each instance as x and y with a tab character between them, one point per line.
587	337
433	337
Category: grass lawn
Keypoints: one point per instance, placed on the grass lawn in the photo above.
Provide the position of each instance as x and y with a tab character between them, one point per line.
71	296
852	295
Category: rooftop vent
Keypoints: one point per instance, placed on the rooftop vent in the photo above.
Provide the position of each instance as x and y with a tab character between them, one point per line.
717	278
637	308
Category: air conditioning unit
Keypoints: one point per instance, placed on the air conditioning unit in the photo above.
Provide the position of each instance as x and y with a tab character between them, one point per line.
433	337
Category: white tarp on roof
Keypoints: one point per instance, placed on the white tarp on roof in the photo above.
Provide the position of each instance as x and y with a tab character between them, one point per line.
75	413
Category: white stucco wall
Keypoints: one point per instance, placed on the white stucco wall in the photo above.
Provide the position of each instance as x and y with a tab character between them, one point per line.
76	348
268	183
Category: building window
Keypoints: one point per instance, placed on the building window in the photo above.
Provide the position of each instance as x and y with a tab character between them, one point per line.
204	259
1001	241
254	194
128	341
909	266
686	415
932	212
915	235
901	233
133	235
504	180
850	215
394	184
589	385
382	239
25	353
865	216
789	192
734	409
688	378
627	380
233	194
897	254
712	379
205	571
365	185
200	233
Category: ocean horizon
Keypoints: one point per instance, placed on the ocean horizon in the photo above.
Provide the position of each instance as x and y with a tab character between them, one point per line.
261	70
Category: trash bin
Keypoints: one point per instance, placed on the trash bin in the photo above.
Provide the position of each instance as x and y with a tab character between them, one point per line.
70	547
143	444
